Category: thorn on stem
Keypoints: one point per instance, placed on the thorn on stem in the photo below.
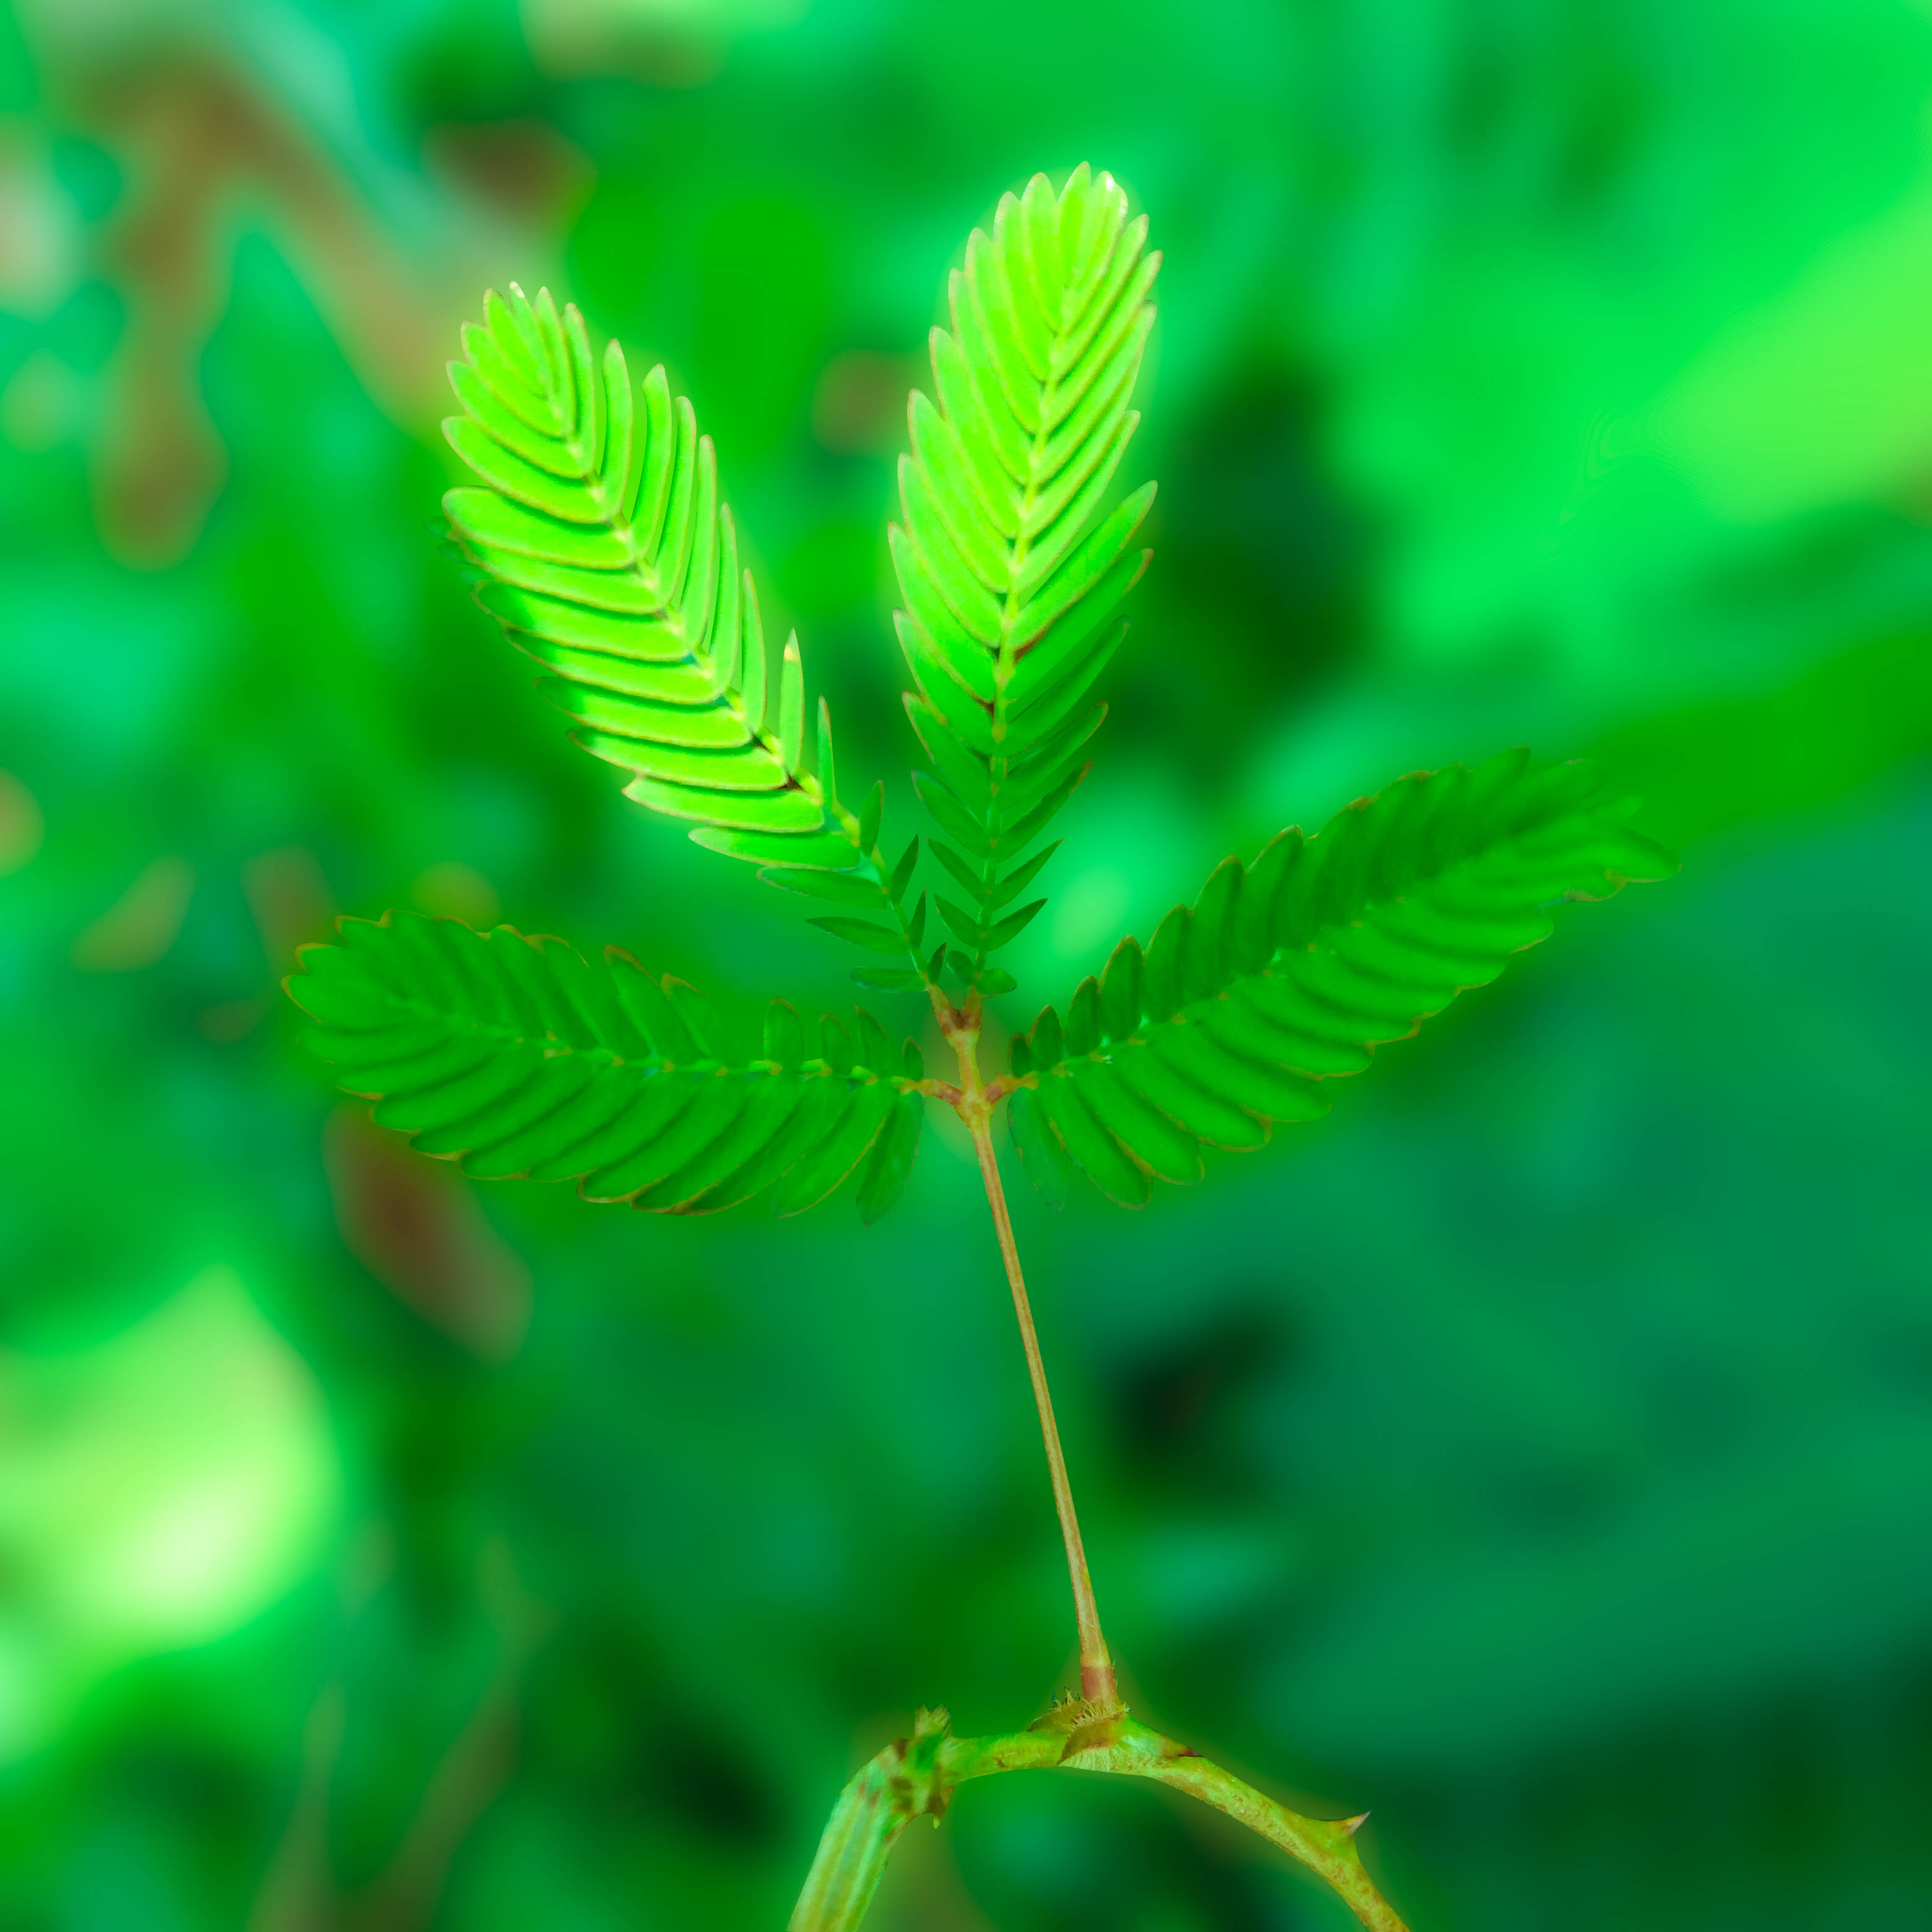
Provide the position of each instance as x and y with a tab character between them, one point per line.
1352	1826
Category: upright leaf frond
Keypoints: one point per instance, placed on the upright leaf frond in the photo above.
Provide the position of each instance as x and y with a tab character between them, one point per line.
1287	973
612	562
515	1056
609	557
1010	569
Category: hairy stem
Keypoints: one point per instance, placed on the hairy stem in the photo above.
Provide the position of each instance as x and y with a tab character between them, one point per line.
1096	1665
917	1776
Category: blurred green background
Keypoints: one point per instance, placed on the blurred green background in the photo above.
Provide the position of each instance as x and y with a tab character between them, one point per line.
1539	1452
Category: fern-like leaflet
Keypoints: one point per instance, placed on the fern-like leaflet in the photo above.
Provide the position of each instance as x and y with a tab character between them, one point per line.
513	1056
1287	973
606	553
1009	570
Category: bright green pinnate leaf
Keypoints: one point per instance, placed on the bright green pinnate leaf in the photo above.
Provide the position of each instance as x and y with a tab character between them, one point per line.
1010	563
611	560
516	1057
603	548
1288	974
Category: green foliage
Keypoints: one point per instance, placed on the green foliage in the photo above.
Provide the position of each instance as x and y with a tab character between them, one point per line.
1618	1276
606	553
513	1056
1289	973
1010	563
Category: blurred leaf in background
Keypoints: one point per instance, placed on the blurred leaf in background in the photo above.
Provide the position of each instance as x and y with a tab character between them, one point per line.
1536	1452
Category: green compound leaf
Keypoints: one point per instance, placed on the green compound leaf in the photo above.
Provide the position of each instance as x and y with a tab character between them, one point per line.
603	548
1010	563
514	1057
1287	973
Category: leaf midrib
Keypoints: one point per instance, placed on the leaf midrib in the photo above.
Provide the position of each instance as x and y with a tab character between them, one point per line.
548	1046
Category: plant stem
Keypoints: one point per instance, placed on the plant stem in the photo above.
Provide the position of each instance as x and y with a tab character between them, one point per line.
917	1777
974	1106
1096	1665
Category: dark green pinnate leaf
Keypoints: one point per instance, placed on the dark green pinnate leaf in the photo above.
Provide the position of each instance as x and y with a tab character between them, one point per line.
518	1058
1010	564
1287	974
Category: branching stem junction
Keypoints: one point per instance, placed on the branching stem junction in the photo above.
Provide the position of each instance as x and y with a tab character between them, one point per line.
974	1106
916	1776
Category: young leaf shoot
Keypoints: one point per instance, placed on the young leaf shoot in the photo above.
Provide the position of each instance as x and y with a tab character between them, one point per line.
600	544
